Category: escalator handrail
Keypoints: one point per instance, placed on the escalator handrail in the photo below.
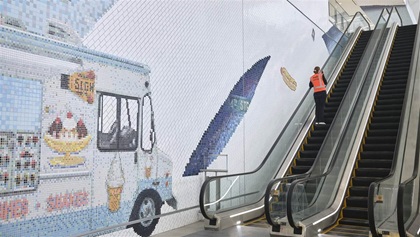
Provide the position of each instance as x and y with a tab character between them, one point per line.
399	16
290	177
401	188
400	207
373	185
208	180
334	154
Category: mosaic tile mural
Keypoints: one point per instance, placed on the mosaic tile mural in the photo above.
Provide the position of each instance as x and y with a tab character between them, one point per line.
110	110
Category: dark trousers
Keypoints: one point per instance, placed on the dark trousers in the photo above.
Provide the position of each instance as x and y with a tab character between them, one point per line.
320	105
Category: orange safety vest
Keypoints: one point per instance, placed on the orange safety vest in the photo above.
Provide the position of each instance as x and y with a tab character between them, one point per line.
318	82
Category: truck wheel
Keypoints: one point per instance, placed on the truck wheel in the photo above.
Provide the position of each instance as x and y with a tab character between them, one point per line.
147	204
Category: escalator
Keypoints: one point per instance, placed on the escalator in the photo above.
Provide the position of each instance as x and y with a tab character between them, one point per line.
377	150
236	198
309	150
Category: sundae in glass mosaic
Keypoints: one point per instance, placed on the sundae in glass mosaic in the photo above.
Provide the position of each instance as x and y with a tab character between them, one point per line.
67	136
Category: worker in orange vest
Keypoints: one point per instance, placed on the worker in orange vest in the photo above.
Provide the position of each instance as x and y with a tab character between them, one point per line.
318	82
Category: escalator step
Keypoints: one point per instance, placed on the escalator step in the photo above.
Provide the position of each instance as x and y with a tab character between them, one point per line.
305	161
391	119
359	191
312	146
330	115
352	231
381	139
354	222
323	128
402	59
399	64
308	154
300	169
335	99
332	104
355	212
383	126
330	110
372	172
383	132
315	139
391	101
396	91
388	107
384	97
319	133
385	113
377	155
339	90
364	181
377	163
379	147
357	202
387	102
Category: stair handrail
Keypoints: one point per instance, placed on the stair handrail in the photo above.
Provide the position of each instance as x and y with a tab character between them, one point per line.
289	122
403	129
333	156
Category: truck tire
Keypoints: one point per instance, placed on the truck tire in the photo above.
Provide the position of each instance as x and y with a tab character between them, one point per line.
148	203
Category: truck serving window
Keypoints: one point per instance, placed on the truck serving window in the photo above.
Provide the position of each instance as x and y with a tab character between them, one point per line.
20	133
118	124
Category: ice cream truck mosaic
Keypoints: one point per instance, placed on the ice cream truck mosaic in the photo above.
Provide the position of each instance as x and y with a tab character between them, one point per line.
78	146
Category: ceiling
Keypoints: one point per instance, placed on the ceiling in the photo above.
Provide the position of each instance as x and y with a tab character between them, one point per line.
353	6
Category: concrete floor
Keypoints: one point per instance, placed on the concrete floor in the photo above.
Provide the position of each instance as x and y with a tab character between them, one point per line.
197	230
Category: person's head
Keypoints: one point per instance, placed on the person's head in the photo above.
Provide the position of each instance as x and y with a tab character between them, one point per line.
316	69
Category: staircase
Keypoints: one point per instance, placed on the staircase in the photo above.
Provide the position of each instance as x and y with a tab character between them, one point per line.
377	151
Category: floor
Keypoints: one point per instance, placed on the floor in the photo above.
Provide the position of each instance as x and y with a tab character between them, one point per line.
197	230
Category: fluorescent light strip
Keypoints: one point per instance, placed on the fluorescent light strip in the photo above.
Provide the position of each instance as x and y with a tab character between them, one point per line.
241	213
223	195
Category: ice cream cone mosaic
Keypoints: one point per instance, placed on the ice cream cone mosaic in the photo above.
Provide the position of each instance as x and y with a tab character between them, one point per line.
115	183
114	198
